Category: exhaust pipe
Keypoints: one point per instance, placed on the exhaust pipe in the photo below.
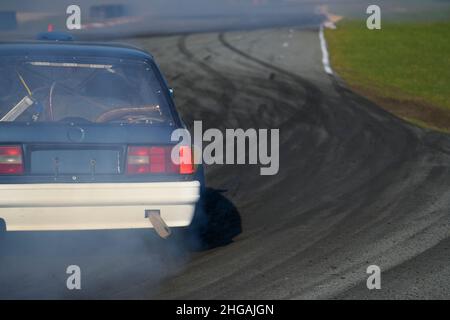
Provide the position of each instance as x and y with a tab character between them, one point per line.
161	228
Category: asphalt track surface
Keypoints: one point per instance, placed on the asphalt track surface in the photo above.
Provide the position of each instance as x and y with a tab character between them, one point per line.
356	187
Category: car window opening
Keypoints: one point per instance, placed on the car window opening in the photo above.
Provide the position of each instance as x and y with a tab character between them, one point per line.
86	91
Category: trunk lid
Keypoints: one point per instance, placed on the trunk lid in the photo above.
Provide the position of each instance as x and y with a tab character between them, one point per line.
72	152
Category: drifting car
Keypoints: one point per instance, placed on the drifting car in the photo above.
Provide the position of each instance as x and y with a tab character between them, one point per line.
85	140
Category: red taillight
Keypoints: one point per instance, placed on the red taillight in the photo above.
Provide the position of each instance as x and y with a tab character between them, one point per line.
11	160
157	160
186	160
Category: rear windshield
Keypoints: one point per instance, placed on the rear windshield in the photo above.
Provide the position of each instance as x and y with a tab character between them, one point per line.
81	90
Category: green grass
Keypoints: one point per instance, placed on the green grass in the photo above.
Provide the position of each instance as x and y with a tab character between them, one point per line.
405	67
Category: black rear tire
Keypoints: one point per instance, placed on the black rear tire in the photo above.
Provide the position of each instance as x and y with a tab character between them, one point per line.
216	222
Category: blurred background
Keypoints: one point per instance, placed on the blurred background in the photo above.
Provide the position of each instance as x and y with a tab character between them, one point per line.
112	18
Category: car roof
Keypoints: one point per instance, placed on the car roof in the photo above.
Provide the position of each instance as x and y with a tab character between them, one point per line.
73	48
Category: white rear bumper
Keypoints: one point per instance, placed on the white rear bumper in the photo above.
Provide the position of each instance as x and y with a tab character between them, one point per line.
28	207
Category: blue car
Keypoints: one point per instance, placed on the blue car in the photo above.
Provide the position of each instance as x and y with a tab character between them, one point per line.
85	140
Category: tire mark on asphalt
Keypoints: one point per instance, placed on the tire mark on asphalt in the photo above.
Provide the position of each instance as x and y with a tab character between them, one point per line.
313	94
229	89
308	113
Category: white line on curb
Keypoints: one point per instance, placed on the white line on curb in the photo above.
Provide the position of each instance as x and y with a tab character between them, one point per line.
325	55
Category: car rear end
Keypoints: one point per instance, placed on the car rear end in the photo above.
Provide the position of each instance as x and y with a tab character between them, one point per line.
92	148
